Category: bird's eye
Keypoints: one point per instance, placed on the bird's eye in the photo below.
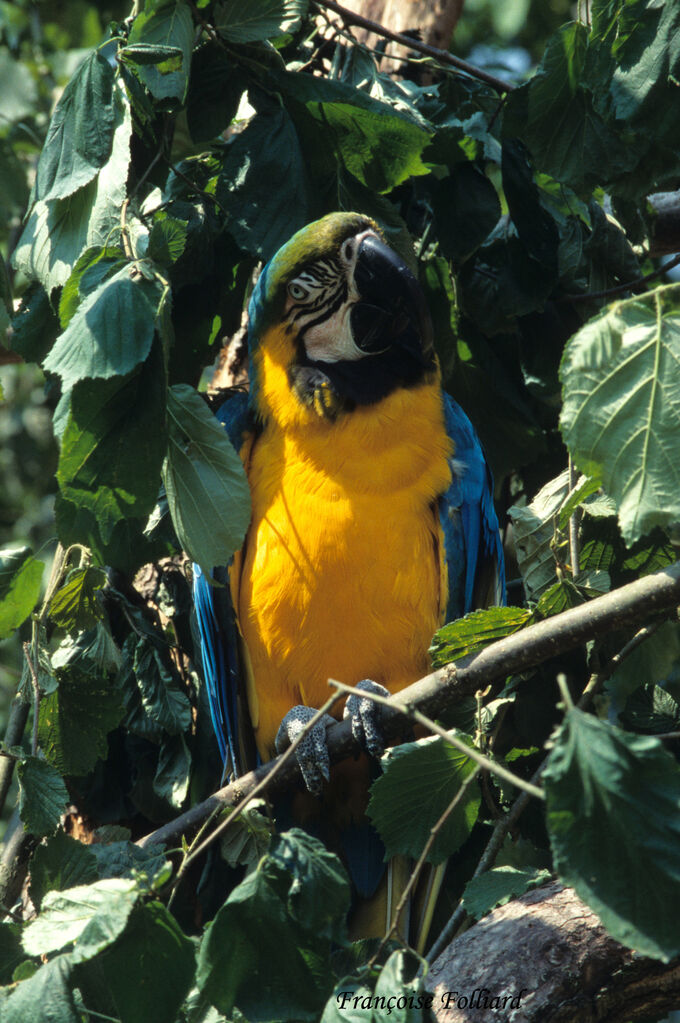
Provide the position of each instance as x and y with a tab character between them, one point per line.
348	250
297	291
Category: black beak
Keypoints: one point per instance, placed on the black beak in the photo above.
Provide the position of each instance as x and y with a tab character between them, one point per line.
391	310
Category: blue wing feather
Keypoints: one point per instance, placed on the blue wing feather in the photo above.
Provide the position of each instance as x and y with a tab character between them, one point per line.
473	550
217	622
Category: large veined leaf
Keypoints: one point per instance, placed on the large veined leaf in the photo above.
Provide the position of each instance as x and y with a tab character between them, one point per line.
111	331
205	481
420	780
80	135
262	217
43	796
619	794
621	413
92	915
534	526
58	230
475	631
267	950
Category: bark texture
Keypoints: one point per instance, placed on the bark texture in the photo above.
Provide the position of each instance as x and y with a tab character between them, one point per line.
551	959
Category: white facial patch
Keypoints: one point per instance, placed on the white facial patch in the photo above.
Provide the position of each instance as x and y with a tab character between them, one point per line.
320	301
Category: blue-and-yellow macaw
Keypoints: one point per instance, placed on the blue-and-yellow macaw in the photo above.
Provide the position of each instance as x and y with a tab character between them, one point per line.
373	518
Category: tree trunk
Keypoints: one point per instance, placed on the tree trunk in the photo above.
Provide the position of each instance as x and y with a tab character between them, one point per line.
552	961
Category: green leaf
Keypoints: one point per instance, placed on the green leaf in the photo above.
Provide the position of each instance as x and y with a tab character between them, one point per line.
43	797
80	135
57	231
111	331
652	710
167	239
92	268
585	488
171	781
205	482
166	24
51	988
475	631
619	794
419	781
621	412
534	529
248	838
263	218
75	606
555	116
402	991
112	447
466	209
215	88
259	19
153	949
267	951
497	886
76	718
633	71
125	859
91	915
11	952
162	698
34	325
20	579
558	598
60	863
380	145
651	661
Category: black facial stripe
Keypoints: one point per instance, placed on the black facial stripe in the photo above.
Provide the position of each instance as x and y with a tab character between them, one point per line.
332	305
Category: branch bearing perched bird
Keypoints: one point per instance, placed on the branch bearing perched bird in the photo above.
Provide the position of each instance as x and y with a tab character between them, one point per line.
373	518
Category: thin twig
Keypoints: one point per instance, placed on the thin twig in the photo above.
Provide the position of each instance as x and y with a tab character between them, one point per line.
36	697
413	880
193	853
441	56
634	285
414	714
18	717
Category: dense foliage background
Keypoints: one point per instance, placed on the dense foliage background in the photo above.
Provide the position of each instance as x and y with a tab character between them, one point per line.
188	142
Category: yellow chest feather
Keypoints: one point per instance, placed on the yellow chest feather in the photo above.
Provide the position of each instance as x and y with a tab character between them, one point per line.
340	575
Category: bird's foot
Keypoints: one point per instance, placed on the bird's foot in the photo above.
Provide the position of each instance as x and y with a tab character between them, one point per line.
312	753
365	715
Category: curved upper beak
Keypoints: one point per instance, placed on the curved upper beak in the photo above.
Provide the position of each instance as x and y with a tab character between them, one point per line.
391	310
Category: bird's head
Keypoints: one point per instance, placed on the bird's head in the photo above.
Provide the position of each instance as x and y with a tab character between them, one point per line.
342	313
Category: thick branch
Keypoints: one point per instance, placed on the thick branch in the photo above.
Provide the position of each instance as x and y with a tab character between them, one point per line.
626	606
551	951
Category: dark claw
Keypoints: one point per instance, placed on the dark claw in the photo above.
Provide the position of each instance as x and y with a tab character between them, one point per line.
365	715
312	753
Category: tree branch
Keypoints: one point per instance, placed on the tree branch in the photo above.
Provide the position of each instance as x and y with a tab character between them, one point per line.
441	56
447	686
551	951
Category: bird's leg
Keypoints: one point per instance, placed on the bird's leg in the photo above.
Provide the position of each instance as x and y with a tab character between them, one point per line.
312	753
312	387
364	714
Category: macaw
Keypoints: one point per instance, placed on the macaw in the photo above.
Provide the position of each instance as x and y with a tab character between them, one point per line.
373	520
